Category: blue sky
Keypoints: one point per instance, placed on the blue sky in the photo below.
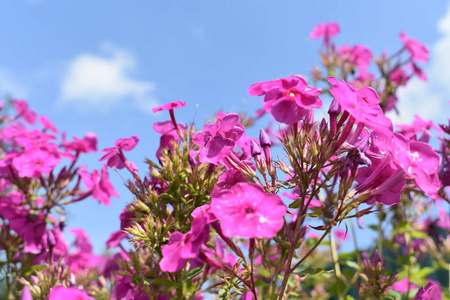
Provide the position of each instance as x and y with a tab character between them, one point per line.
101	66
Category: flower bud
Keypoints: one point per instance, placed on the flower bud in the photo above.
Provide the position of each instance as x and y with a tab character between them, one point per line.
335	108
51	241
264	140
254	149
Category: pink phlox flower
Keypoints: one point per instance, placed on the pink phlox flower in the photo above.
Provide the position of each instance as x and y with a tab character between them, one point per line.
82	242
46	124
111	265
227	180
416	50
432	291
402	287
99	184
287	99
26	294
23	111
218	140
363	78
418	126
29	139
417	71
114	155
325	31
169	134
35	162
359	55
362	104
224	257
443	220
244	143
341	235
81	259
204	210
182	247
419	161
246	211
85	145
67	293
399	77
169	106
126	219
115	239
31	228
378	173
10	132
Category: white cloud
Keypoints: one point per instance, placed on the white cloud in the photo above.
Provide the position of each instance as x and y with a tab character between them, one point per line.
104	81
10	86
430	99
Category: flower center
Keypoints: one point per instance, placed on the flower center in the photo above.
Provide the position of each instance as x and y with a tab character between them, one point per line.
249	210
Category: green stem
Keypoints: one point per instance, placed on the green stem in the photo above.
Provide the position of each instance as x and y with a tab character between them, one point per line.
337	268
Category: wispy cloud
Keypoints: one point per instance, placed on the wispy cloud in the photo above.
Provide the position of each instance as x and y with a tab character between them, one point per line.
104	81
11	86
430	99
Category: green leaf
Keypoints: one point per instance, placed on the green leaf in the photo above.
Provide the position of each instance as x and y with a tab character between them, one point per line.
189	276
351	264
167	283
311	271
316	213
296	203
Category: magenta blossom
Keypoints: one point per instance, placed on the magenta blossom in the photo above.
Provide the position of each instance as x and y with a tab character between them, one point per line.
23	111
60	292
325	31
182	247
246	211
218	140
419	161
35	162
169	106
99	185
359	55
169	134
287	99
115	156
416	50
362	105
86	145
46	124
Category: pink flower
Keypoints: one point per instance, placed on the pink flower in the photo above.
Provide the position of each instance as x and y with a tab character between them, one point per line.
23	111
416	50
325	31
288	99
218	140
115	156
86	145
432	291
26	294
419	161
45	122
362	104
67	293
401	286
169	106
246	211
35	162
381	174
169	134
182	247
359	55
100	187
